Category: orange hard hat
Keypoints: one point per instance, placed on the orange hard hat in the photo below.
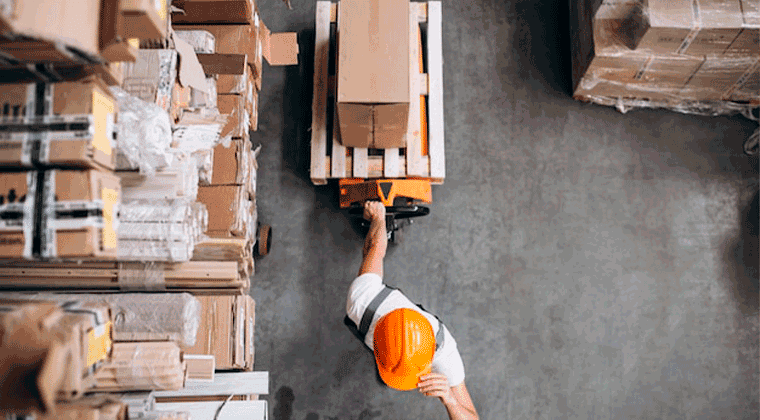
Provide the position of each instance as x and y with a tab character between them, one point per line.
404	345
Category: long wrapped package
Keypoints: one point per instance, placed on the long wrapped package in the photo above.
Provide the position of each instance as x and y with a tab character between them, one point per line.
59	214
50	351
142	366
137	316
176	181
161	230
64	124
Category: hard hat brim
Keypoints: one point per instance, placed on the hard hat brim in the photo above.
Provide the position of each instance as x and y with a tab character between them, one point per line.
402	381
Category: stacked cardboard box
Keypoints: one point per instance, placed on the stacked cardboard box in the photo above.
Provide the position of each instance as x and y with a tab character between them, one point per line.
50	351
671	53
226	331
76	38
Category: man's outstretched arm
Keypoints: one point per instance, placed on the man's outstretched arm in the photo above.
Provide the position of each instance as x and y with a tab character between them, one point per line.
376	242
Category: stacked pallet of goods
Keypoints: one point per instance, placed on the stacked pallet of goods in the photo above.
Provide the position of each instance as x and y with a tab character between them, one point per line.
128	209
686	55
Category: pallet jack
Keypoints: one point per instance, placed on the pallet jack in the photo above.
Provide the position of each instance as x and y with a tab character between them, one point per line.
402	199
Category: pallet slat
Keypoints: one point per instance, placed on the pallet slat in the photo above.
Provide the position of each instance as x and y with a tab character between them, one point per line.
435	96
414	166
338	168
319	101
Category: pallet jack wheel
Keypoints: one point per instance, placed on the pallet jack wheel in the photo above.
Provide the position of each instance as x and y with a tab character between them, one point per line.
264	240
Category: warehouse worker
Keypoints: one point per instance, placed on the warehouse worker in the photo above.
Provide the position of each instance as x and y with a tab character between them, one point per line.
412	348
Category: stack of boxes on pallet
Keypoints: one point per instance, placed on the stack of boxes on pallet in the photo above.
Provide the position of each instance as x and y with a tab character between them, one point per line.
127	167
671	53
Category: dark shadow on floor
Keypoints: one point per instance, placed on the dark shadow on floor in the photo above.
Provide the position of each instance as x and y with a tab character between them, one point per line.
741	260
296	104
542	44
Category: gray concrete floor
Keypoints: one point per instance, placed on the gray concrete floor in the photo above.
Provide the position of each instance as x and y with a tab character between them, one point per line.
591	264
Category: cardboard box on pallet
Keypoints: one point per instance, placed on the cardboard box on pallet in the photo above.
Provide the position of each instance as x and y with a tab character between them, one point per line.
76	217
56	348
689	27
637	76
77	130
748	41
373	73
719	77
748	87
226	331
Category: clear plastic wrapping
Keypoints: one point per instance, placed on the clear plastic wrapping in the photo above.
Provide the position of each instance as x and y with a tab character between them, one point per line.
144	134
160	230
142	366
165	415
177	181
139	316
690	56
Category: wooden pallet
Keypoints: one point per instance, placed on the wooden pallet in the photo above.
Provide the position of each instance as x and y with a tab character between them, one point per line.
330	159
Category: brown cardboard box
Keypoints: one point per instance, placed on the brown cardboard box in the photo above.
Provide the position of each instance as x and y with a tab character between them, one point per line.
236	39
72	22
747	89
214	11
144	19
77	217
34	361
636	76
231	164
695	28
225	331
114	45
373	73
238	122
77	335
748	41
77	131
717	78
228	210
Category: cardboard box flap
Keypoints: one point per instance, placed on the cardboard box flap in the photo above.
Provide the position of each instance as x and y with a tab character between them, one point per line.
279	49
190	71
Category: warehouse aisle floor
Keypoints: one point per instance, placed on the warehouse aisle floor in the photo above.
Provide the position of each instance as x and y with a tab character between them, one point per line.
590	264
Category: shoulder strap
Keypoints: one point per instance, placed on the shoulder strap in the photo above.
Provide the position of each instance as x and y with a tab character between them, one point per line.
369	313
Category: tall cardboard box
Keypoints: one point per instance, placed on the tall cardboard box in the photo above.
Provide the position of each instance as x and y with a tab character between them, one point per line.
144	19
373	73
58	213
76	131
229	210
232	164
